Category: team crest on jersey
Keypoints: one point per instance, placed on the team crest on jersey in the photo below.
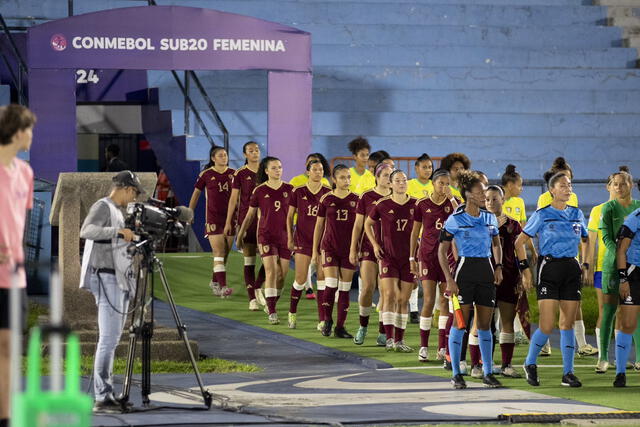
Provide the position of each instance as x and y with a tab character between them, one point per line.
411	211
425	271
577	228
285	194
447	209
365	254
328	259
265	249
353	204
385	270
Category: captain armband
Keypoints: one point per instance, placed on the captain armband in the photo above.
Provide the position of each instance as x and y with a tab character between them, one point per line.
626	232
445	236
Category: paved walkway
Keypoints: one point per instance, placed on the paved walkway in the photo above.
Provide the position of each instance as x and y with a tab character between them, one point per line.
308	383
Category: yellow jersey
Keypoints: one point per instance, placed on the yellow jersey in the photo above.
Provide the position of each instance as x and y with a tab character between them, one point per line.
361	183
302	179
594	225
419	190
455	192
514	208
546	198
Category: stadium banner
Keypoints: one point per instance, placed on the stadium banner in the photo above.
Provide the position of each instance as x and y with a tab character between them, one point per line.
168	37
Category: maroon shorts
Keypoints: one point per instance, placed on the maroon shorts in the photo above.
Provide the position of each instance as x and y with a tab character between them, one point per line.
213	228
332	260
396	270
251	235
366	253
507	291
302	250
267	249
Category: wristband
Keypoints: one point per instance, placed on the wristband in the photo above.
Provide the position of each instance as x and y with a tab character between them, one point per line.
585	265
622	274
411	258
497	265
523	264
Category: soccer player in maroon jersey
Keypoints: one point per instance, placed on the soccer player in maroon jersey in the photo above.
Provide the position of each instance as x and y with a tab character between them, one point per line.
396	214
430	214
244	181
508	291
215	180
305	201
361	249
336	215
270	200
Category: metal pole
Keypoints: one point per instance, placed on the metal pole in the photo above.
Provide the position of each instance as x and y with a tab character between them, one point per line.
55	340
186	104
15	309
70	7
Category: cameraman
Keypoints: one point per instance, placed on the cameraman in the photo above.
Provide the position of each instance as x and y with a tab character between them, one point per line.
107	272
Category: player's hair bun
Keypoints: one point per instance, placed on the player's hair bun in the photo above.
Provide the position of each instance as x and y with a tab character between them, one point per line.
624	168
510	169
559	163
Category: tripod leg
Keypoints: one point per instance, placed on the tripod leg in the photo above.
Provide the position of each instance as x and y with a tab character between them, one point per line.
147	333
182	331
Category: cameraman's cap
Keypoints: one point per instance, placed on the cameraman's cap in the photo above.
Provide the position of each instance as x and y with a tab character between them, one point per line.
128	179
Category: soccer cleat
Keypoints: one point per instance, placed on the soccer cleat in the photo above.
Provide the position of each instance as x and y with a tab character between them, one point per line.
423	354
225	292
341	332
476	372
521	338
320	325
636	366
260	297
464	370
531	374
570	380
491	381
215	288
458	382
109	405
587	350
401	347
389	345
293	320
413	317
273	319
253	305
381	341
440	355
360	335
497	370
546	350
326	329
602	366
620	381
510	372
309	294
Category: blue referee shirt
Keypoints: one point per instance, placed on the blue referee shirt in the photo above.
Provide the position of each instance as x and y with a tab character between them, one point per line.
633	223
559	231
473	234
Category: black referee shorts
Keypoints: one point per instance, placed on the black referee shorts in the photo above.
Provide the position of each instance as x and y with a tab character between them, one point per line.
559	279
633	273
474	277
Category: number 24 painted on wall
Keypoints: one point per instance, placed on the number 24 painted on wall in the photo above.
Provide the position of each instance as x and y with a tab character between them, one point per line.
87	76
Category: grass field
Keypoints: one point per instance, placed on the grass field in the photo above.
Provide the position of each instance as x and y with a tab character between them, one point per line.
189	276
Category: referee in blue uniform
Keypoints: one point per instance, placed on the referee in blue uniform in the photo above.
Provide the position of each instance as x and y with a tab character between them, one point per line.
560	229
628	259
476	233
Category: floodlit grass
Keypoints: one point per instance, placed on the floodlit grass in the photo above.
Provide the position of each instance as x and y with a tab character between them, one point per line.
189	278
206	366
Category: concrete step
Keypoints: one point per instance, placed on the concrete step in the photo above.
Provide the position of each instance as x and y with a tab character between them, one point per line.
477	57
542	37
160	350
159	334
299	13
394	124
399	100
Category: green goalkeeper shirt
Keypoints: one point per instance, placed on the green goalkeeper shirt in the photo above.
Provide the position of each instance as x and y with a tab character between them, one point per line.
613	216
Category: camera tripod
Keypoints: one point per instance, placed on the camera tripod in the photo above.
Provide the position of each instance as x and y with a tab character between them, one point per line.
142	325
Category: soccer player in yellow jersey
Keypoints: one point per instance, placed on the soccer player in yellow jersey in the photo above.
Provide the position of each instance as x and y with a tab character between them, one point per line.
559	165
514	205
421	186
360	149
302	179
455	163
596	258
368	182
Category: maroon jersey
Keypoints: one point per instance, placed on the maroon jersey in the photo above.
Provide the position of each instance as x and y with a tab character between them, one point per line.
217	189
307	204
244	180
509	232
340	215
365	205
273	206
396	222
432	216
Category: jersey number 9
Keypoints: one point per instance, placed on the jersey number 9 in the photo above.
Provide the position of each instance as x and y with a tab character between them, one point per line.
277	204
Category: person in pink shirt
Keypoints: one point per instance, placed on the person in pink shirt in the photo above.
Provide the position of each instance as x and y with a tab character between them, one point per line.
16	198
